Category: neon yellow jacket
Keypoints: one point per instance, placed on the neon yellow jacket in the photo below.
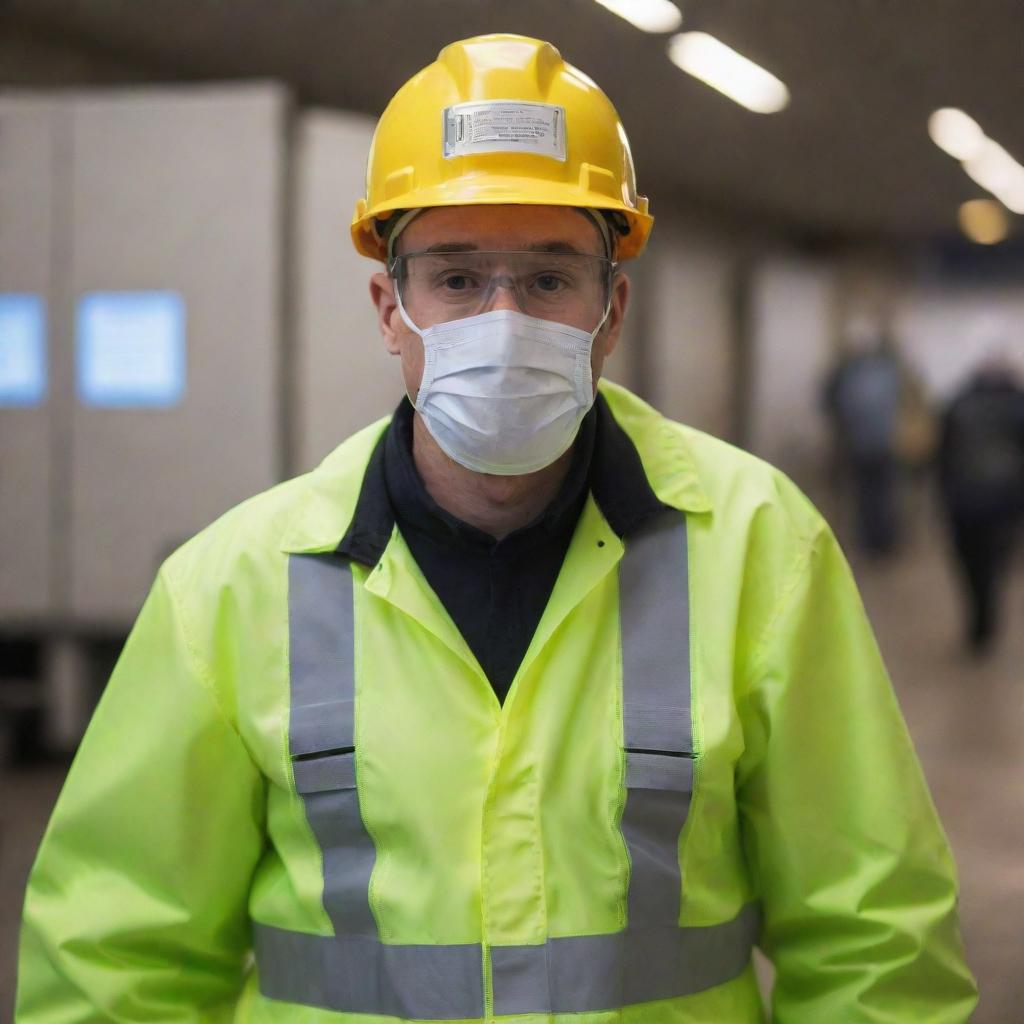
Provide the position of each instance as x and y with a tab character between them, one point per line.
700	751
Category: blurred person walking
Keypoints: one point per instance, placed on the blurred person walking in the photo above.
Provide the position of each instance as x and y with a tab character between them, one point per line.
981	479
864	396
527	703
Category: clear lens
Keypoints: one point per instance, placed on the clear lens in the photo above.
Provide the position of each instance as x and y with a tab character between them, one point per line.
571	288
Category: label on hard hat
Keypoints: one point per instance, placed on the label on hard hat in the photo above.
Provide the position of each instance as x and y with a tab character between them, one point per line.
504	126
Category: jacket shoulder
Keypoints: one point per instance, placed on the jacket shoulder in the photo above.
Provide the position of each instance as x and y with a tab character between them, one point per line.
307	512
743	486
700	473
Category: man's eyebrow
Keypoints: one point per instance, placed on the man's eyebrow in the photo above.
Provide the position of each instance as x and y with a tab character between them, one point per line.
555	246
452	247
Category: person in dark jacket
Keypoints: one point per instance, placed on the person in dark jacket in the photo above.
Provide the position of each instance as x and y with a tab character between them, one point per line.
862	395
981	477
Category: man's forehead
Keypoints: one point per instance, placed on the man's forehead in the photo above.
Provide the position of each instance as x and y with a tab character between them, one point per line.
502	227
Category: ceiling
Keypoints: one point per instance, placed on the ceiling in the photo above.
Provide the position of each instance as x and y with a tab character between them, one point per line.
848	158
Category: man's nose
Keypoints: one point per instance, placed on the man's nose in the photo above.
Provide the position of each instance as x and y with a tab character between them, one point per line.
503	295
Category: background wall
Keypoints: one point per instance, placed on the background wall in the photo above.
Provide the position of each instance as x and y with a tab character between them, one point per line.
343	378
792	349
28	162
947	330
131	194
157	201
690	331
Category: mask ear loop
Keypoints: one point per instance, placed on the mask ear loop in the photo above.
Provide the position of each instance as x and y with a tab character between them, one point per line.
608	304
428	358
404	315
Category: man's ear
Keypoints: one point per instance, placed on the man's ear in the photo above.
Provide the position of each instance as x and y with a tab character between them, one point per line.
382	294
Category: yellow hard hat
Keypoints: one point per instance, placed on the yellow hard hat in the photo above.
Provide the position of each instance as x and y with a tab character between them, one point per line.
500	119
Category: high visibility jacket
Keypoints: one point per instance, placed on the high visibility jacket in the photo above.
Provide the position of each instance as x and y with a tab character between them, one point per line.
300	800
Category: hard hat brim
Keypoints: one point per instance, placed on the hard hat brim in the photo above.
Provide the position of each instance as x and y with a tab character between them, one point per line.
499	191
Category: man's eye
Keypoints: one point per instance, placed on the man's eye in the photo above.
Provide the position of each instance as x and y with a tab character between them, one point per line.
457	282
549	282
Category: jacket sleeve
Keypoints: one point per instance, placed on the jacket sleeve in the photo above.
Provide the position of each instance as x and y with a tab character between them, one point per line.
136	908
857	882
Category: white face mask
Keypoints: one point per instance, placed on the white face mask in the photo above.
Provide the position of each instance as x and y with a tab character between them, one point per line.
503	392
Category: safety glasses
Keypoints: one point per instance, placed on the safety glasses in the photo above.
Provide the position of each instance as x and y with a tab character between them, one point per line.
572	288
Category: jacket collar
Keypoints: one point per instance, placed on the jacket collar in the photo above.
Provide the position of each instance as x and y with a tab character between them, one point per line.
329	504
663	449
330	495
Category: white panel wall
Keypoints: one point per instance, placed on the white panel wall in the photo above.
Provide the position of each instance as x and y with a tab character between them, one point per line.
343	378
28	135
946	332
792	304
176	189
689	359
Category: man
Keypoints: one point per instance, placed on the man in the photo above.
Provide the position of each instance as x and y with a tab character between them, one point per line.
981	478
524	704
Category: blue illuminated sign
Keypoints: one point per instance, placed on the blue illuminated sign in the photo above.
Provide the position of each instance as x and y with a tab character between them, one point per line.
22	350
131	349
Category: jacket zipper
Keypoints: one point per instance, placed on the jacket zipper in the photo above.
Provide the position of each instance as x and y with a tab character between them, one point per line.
488	984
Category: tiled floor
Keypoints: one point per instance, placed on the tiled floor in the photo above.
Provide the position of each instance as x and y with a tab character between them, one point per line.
967	720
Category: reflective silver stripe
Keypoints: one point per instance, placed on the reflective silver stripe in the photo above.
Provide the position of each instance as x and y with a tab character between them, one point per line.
325	773
591	973
316	726
358	974
320	659
656	771
575	974
321	726
655	628
655	622
352	971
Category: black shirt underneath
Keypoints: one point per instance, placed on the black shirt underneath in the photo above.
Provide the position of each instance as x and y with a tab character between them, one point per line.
496	591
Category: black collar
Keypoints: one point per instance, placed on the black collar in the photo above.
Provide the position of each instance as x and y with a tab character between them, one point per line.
604	457
417	511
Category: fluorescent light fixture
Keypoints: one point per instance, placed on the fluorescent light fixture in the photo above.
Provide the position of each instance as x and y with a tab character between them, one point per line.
721	67
984	160
649	15
956	133
995	170
984	221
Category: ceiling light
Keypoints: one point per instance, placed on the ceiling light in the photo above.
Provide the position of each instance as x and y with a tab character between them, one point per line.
649	15
983	221
729	72
956	133
995	170
982	158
